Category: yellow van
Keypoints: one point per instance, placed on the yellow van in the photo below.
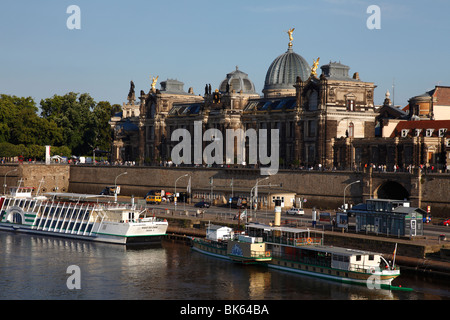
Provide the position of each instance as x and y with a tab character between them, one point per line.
153	199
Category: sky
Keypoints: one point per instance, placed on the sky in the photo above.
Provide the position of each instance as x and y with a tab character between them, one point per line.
200	41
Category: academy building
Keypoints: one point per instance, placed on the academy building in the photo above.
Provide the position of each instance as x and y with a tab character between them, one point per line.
323	119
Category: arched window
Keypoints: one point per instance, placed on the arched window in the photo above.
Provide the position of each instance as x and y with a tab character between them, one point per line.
351	130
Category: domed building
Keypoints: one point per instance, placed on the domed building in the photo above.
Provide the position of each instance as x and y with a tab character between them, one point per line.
237	81
283	72
316	115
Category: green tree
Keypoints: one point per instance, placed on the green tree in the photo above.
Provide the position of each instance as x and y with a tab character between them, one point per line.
72	113
99	132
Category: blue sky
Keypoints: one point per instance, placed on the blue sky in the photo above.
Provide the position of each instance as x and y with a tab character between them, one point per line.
199	42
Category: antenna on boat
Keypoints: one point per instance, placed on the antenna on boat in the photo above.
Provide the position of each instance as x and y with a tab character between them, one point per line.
39	188
395	253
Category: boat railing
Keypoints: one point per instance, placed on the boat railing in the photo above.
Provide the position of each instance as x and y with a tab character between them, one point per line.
297	242
369	269
211	243
260	254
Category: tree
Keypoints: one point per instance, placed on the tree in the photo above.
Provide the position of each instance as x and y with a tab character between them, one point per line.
73	115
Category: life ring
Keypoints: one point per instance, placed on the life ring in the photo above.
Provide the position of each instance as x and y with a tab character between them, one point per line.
267	253
308	240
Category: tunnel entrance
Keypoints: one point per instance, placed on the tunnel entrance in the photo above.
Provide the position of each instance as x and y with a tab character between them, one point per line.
392	190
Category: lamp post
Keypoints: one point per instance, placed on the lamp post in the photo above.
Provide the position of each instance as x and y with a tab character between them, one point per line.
357	181
251	193
115	185
184	175
4	183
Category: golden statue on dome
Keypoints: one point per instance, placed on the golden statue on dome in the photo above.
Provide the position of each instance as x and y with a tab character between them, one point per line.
290	32
154	80
314	67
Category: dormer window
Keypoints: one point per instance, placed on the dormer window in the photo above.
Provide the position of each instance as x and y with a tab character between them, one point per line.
442	132
417	132
350	105
429	132
405	133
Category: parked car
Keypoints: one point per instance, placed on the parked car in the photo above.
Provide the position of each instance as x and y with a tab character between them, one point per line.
202	204
295	211
152	199
446	222
109	190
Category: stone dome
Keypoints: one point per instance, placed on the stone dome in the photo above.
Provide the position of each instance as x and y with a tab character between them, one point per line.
238	80
282	73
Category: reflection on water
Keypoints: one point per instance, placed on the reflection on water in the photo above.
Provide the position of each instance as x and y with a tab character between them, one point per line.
33	267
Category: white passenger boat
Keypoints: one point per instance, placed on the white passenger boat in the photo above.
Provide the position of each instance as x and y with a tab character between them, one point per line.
79	216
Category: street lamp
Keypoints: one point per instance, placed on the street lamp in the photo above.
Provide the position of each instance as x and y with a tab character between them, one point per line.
358	181
4	183
184	175
251	193
115	185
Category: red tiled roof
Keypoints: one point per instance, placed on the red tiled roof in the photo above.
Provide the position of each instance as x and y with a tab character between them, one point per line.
421	124
442	95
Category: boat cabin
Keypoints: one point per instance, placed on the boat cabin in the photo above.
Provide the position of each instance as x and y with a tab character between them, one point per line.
216	233
120	214
353	260
21	192
284	235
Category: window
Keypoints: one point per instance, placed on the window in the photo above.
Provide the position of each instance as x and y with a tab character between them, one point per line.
351	130
371	257
350	105
405	133
358	257
417	132
429	132
442	132
311	128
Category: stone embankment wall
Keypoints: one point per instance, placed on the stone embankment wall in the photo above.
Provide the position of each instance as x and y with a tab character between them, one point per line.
323	190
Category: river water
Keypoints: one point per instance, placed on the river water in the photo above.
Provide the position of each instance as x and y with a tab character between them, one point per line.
36	267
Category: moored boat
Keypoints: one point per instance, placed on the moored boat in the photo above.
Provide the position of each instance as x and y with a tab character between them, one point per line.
222	242
302	251
71	215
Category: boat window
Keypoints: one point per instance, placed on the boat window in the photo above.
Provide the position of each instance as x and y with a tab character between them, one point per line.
371	257
358	257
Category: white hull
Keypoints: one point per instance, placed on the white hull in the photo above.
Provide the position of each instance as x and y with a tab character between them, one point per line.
159	232
374	279
80	220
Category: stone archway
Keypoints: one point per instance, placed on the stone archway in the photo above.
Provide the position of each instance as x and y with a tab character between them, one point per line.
391	190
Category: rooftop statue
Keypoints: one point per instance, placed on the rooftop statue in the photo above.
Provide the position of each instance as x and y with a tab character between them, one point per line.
154	80
314	67
131	95
290	32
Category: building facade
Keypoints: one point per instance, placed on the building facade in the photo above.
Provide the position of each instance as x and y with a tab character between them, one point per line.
404	140
311	113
